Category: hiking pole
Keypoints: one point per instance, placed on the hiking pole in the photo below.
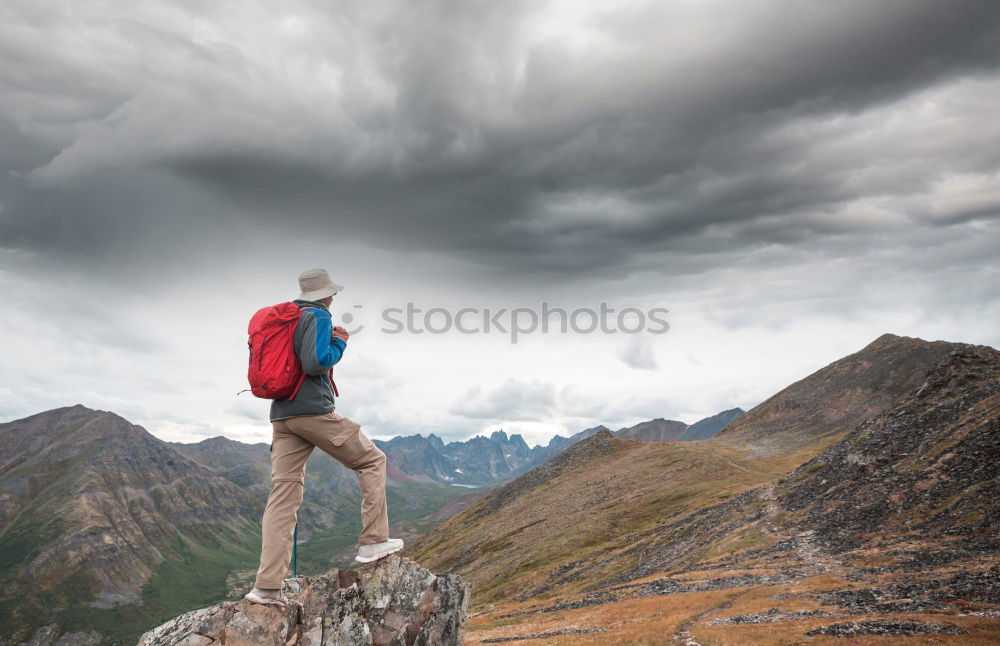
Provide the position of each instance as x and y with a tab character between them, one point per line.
295	552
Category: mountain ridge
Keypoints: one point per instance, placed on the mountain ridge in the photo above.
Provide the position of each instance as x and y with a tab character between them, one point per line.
835	398
94	505
726	523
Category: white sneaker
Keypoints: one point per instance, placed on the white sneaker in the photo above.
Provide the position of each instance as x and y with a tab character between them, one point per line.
270	597
375	551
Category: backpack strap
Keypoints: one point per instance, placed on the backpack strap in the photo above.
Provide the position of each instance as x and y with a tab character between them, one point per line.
302	379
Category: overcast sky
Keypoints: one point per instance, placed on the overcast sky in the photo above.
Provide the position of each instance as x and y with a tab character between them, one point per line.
788	179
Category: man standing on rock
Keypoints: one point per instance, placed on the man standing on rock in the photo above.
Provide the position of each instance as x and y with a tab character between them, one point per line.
308	420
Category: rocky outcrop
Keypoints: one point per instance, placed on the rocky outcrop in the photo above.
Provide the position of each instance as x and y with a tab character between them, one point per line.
394	602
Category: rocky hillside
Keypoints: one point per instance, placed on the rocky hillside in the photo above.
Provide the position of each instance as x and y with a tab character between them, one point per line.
553	527
927	469
891	530
920	473
393	601
834	399
91	507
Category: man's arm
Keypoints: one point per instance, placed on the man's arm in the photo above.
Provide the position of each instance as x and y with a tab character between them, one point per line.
320	350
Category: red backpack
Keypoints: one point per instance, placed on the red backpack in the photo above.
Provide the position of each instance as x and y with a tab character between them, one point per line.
275	371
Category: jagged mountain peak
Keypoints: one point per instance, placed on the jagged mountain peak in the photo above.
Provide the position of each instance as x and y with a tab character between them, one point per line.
517	441
436	442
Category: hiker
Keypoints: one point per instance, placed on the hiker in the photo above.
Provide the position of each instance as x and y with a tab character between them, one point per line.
307	420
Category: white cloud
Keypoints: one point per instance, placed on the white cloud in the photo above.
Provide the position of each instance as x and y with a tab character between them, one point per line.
638	352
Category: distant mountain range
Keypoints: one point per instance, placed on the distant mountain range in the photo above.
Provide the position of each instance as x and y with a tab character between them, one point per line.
487	461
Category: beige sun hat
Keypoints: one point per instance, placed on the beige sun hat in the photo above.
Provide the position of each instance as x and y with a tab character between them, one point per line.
316	284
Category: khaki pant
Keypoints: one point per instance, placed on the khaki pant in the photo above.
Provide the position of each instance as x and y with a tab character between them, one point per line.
292	442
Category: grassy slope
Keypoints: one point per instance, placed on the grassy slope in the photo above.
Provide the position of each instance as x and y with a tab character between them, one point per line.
591	513
643	512
688	513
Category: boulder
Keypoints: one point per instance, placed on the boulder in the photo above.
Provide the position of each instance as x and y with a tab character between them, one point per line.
393	602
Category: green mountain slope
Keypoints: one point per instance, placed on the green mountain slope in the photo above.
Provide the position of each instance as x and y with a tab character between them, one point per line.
94	508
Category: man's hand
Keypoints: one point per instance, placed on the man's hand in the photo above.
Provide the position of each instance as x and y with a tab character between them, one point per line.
340	333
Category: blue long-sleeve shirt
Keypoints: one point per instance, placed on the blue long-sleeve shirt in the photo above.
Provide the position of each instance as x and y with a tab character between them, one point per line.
318	351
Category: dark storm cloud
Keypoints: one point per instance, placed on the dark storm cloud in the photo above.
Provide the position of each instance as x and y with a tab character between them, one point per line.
528	142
